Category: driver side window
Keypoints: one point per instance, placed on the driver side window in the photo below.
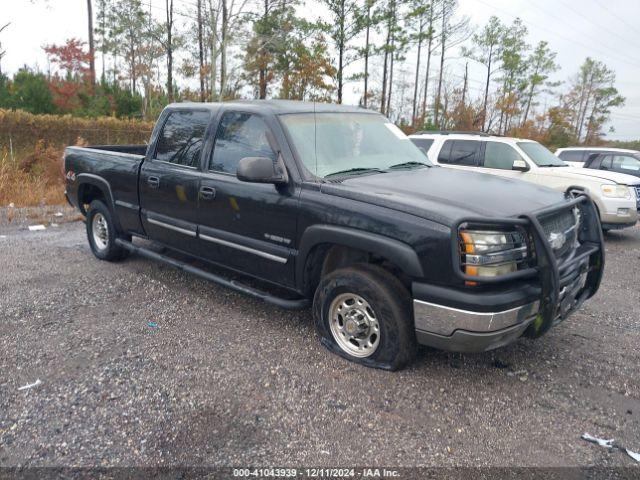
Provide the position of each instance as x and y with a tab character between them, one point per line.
500	156
239	135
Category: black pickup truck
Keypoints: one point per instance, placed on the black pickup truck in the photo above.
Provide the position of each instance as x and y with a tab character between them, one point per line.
334	207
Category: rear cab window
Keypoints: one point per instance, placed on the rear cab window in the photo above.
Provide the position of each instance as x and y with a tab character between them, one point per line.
182	137
460	152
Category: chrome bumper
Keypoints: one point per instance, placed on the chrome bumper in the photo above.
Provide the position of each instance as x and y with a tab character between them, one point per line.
468	331
443	320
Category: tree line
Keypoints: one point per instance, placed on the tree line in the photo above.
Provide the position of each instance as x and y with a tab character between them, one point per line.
396	55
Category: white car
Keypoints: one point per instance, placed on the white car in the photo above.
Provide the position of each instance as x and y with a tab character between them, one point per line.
576	156
615	195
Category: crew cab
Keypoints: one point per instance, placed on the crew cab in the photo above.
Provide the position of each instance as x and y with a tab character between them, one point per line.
333	207
614	194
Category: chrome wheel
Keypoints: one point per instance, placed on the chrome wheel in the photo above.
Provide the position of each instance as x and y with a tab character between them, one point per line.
354	325
100	230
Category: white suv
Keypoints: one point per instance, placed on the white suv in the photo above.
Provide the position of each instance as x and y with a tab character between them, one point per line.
615	194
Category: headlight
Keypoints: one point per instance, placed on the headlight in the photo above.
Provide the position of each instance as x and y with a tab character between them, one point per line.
491	253
616	191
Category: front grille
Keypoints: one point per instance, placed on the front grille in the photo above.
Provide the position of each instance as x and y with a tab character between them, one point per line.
560	230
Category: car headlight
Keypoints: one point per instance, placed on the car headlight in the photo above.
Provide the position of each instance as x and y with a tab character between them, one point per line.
616	191
491	253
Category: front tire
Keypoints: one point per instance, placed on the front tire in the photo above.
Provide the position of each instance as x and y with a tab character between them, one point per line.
363	313
101	233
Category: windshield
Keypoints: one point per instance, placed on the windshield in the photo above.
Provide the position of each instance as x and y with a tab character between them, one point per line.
540	155
350	143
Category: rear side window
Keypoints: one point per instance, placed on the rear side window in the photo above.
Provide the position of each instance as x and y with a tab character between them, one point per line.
423	144
460	152
500	156
239	135
182	137
572	155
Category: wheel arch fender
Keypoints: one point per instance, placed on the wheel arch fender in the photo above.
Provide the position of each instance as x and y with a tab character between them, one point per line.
400	253
101	184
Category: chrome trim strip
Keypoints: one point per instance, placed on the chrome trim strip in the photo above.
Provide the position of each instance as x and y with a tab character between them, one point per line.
121	203
191	233
443	320
259	253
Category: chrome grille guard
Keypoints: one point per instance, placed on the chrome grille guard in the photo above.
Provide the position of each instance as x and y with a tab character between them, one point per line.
547	268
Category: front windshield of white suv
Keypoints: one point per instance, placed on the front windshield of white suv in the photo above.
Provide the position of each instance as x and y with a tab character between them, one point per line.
350	143
540	155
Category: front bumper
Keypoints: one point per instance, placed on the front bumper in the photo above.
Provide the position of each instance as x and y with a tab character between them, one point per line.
618	212
459	330
467	321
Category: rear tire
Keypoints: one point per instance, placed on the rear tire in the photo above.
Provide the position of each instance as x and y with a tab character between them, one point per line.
363	313
102	234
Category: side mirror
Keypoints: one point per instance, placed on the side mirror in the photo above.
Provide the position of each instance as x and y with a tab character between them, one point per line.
520	166
262	170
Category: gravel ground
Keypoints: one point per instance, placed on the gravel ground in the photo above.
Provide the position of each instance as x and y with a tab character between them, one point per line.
228	380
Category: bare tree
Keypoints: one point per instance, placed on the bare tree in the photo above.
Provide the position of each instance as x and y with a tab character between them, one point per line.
169	47
431	47
233	12
421	12
201	51
92	50
367	49
485	50
451	34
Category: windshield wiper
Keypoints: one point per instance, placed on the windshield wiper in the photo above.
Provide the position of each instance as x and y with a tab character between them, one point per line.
409	164
350	171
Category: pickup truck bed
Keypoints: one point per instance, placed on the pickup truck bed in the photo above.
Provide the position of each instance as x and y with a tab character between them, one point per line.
113	169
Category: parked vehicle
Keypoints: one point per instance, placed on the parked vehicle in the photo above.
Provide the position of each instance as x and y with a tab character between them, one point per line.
577	156
339	209
614	194
627	163
621	162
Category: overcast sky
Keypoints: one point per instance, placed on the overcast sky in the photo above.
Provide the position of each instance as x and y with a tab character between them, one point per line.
608	30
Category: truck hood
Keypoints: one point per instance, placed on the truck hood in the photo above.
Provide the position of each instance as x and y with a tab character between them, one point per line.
590	173
446	195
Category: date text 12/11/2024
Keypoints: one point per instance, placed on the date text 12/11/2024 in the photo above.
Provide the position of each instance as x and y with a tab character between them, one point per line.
315	473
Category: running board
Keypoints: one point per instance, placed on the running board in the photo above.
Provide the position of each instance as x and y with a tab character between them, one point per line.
238	287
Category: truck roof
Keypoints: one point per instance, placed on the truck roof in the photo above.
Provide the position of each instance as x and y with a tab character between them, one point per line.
276	106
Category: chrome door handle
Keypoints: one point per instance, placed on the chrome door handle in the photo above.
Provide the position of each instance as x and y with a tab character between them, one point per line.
207	193
153	182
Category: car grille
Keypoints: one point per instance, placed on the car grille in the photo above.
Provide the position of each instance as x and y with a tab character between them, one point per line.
560	230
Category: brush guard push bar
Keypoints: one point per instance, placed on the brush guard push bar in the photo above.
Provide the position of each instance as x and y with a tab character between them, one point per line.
557	278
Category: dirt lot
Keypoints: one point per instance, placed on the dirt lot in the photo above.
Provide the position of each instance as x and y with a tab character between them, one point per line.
228	380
